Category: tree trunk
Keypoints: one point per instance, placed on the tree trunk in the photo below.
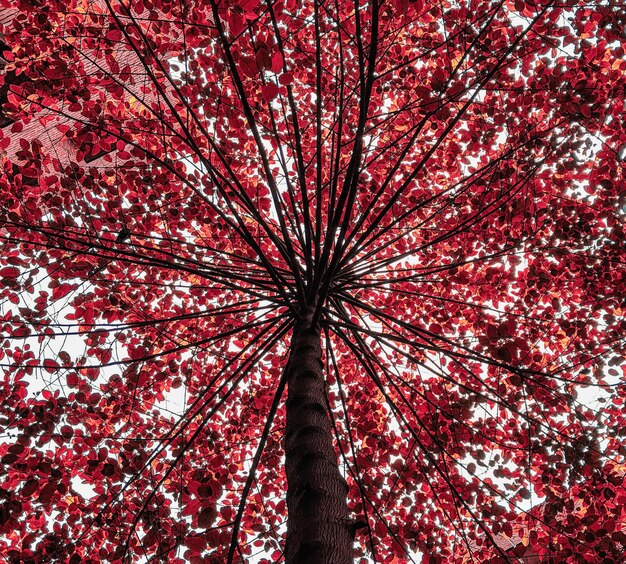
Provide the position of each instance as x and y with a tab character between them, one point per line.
318	528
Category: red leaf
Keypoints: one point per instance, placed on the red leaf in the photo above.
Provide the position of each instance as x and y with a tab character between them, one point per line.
9	272
22	332
62	290
137	353
206	517
439	79
263	59
51	365
150	538
46	493
270	91
236	23
192	507
285	78
195	544
435	328
277	62
72	380
30	487
248	67
114	35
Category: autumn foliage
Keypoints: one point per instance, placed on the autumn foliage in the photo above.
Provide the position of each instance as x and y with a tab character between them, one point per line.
411	211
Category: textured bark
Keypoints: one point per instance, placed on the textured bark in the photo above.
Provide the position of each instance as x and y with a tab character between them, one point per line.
318	528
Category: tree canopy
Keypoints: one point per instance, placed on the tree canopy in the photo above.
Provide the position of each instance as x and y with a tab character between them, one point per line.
438	186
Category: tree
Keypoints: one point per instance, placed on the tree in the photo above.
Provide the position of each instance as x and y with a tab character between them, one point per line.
312	281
